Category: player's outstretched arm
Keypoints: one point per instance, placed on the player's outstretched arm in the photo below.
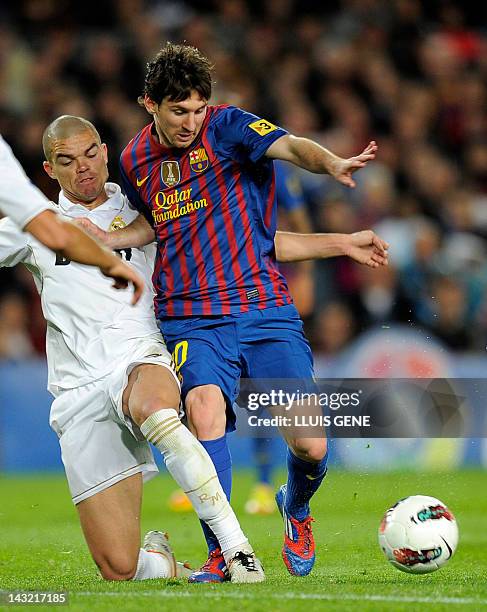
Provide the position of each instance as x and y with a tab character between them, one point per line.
52	231
365	247
313	157
136	234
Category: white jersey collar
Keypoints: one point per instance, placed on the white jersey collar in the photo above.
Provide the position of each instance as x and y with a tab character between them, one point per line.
114	202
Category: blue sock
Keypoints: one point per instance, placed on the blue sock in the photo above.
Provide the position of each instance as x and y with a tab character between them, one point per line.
303	480
264	459
220	455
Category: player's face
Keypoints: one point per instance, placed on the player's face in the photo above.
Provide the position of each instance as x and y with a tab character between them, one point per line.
79	164
178	123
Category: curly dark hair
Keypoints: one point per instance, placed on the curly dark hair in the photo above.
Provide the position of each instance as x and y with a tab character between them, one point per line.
176	71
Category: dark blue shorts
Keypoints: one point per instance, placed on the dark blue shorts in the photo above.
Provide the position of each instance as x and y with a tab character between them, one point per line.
267	343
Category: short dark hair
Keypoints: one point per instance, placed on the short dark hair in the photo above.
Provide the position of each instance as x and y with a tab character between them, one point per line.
175	72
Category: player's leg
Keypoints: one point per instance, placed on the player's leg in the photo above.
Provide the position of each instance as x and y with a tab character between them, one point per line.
149	400
277	349
205	409
111	525
104	467
307	465
208	364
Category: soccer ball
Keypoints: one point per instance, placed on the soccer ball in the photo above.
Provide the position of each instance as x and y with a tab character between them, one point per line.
418	534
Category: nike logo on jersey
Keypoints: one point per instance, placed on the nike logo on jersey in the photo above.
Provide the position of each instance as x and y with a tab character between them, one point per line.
140	182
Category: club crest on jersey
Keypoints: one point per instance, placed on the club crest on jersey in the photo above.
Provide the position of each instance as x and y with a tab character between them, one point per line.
116	224
198	160
170	173
262	127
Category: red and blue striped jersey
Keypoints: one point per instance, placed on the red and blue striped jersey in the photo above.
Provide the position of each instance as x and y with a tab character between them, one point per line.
212	206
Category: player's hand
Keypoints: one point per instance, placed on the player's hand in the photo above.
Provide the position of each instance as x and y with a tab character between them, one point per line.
93	230
367	248
124	275
342	169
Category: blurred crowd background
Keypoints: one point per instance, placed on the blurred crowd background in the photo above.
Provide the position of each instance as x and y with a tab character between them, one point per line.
411	75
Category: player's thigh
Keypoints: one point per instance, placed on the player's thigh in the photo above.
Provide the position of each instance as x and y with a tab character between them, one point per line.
205	353
274	346
150	387
111	525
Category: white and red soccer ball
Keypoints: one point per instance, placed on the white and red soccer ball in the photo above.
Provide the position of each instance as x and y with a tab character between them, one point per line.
418	534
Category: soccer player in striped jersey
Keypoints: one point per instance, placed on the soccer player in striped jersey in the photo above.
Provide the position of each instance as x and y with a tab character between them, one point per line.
33	213
202	176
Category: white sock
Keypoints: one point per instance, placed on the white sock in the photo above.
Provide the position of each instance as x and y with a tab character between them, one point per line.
152	565
193	470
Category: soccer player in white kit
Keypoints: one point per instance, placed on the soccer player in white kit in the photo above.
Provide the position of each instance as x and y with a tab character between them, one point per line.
113	381
27	206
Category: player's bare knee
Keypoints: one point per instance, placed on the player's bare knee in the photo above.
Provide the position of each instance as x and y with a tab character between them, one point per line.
317	450
205	409
120	567
206	422
309	449
108	574
150	388
146	408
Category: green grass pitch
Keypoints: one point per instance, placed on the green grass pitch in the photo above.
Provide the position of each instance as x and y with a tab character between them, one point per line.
41	547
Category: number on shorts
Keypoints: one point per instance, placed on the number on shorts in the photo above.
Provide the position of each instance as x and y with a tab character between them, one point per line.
180	354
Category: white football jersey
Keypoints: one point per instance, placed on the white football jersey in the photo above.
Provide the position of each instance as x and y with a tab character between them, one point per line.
19	199
90	325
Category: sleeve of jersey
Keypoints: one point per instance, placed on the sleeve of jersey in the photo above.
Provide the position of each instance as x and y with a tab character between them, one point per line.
289	192
19	198
133	195
237	128
14	244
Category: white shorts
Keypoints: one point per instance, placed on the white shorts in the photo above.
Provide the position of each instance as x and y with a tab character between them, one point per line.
100	446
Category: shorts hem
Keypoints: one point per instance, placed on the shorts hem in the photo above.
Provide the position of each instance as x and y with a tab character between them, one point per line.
117	401
148	472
